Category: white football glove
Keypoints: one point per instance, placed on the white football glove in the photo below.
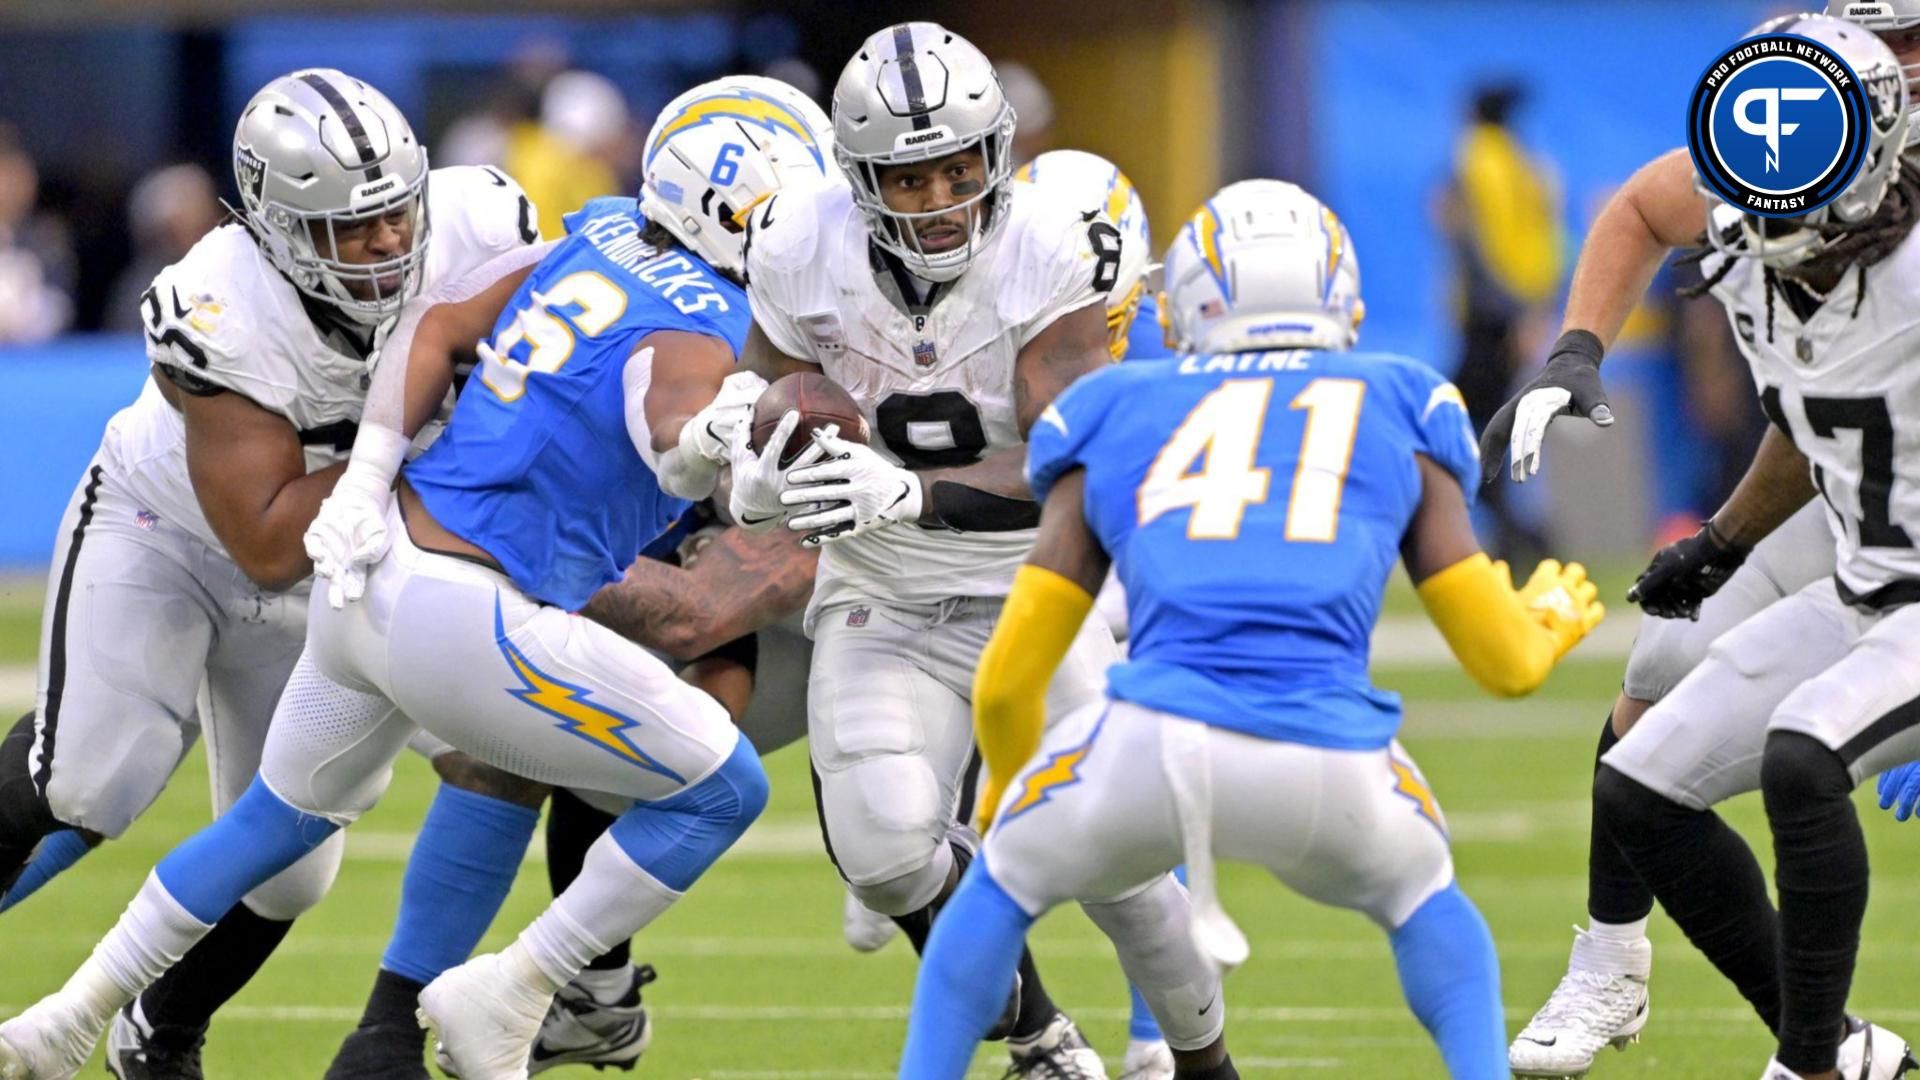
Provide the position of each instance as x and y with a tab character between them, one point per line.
857	491
349	534
758	479
710	432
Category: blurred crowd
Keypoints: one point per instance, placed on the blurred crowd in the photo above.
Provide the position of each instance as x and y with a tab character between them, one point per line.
568	135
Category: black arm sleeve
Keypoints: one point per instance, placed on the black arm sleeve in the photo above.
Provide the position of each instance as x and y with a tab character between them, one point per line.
967	509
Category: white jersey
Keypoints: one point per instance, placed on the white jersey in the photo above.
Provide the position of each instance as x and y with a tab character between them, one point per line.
1845	386
935	383
224	317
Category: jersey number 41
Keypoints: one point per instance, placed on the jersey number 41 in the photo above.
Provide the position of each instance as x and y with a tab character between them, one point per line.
1208	465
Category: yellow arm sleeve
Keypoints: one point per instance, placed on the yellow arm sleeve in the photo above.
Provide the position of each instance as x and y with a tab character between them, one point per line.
1508	641
1037	626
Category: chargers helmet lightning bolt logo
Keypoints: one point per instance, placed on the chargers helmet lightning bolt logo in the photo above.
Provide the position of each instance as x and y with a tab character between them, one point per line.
571	705
746	106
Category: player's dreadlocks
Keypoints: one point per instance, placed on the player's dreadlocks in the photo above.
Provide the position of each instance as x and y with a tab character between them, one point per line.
1858	246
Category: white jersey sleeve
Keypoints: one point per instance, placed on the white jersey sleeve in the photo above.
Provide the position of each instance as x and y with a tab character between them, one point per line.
1062	260
785	286
477	212
204	319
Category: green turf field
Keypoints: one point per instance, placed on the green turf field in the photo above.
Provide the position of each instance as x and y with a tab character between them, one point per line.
756	983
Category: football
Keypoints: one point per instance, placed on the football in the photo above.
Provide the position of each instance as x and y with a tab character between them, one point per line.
819	401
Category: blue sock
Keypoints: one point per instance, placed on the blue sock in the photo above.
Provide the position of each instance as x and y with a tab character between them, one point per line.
675	839
1451	976
462	867
54	855
1141	1026
965	976
259	837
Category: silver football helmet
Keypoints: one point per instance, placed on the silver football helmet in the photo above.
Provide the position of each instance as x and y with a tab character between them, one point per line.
720	150
916	92
1898	24
1262	265
1784	243
315	152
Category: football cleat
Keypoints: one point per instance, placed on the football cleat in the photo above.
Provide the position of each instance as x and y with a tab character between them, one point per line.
1058	1052
1148	1060
865	929
139	1051
1871	1052
50	1041
486	1014
1602	1001
579	1030
380	1052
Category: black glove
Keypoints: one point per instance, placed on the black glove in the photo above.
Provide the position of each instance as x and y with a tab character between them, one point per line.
1684	573
1569	386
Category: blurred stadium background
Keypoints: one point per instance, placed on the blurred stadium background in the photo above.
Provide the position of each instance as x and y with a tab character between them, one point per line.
1466	143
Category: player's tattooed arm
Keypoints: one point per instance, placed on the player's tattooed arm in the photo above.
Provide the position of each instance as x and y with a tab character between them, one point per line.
1776	485
250	476
991	495
741	582
1071	346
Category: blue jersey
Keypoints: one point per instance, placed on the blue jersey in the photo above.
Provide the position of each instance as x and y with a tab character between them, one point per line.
536	466
1146	338
1254	505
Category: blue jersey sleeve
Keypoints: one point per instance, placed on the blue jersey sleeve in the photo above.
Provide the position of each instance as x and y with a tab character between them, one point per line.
1065	429
1442	431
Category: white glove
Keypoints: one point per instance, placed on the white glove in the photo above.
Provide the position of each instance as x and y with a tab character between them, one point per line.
349	534
1530	421
857	489
710	432
758	478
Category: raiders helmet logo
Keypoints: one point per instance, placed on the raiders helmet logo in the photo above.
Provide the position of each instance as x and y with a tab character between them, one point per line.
1883	90
249	171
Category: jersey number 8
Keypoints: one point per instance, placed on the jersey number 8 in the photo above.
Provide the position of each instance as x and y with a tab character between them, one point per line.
596	304
1208	465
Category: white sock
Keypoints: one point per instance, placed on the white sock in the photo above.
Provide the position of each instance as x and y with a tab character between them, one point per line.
152	936
1618	933
610	901
605	987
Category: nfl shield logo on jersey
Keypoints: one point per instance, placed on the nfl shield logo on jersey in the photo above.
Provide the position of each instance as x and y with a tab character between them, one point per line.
858	616
923	354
